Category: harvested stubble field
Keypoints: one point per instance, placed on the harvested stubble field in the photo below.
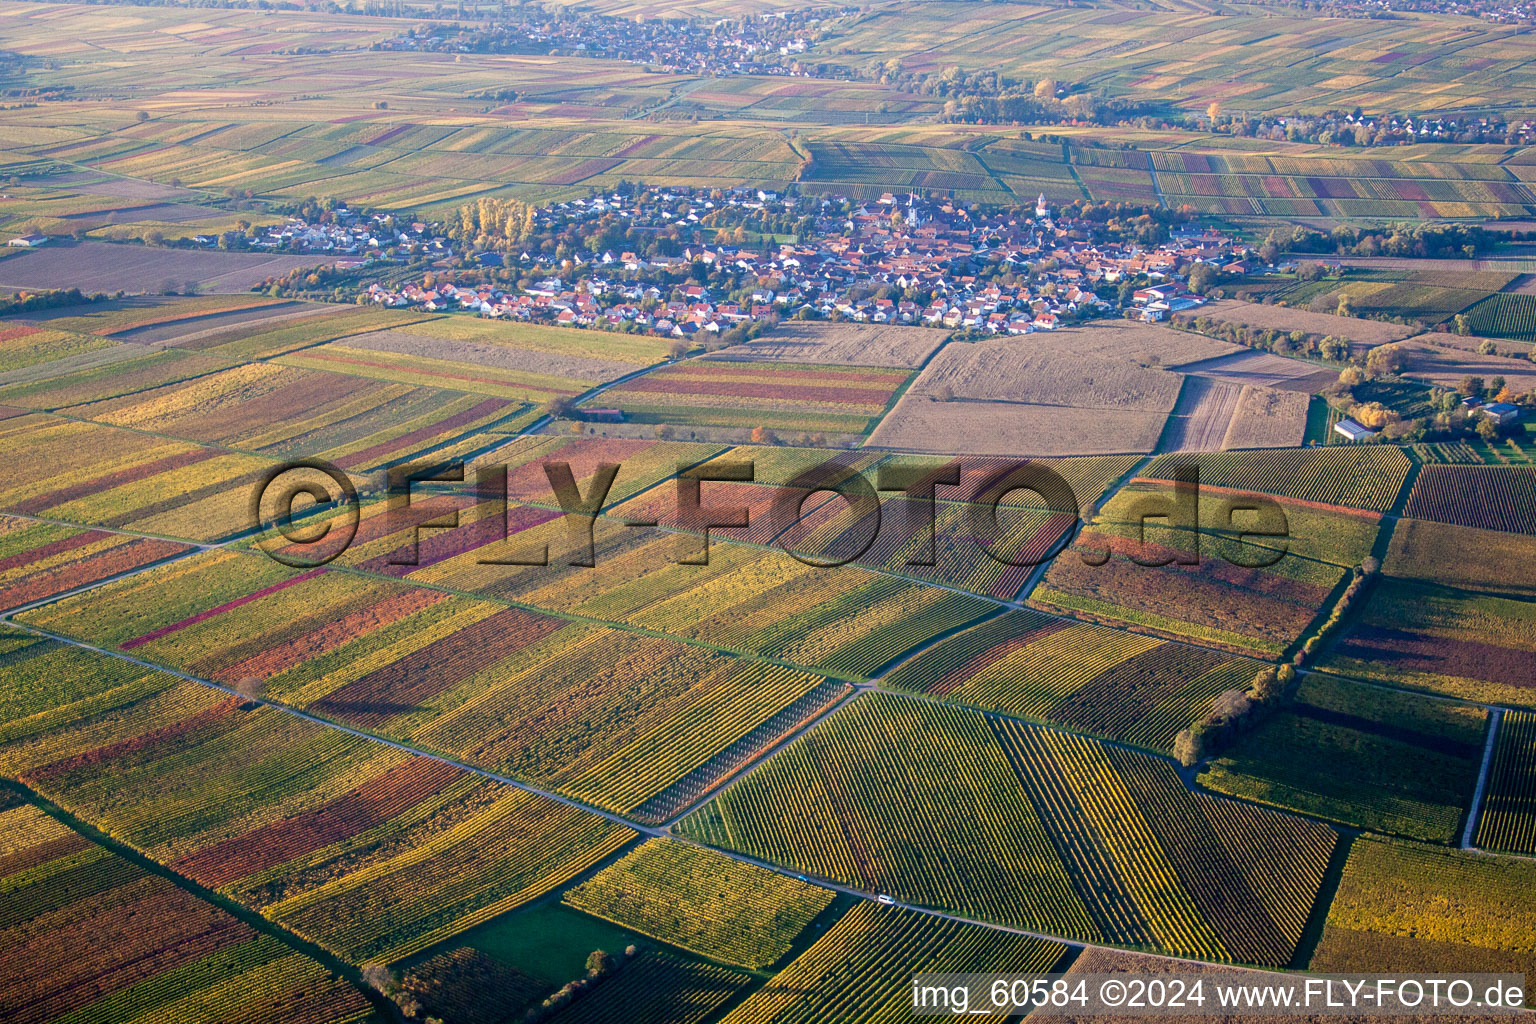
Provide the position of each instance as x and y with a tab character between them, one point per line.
1285	318
1446	359
1263	369
1091	390
1201	419
918	424
1268	418
103	267
840	345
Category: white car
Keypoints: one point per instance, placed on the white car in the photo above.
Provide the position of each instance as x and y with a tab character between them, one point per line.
883	898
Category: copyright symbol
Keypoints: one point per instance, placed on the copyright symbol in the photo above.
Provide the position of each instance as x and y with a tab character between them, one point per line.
1112	992
273	508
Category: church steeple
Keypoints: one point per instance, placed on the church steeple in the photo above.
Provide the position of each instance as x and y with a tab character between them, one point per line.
1042	211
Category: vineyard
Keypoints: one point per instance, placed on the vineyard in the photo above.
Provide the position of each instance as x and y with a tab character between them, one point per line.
612	717
709	904
1209	585
41	560
1366	757
861	970
1504	315
779	396
1427	909
1442	639
1366	478
89	936
1489	497
1022	824
1507	821
657	987
1123	686
270	810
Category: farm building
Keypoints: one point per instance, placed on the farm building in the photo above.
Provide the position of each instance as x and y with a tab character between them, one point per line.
29	241
1353	431
1501	412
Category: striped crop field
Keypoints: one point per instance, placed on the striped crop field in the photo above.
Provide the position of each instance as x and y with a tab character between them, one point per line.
629	721
268	809
783	396
91	936
41	560
861	969
1107	682
1354	477
1507	822
1488	497
1022	826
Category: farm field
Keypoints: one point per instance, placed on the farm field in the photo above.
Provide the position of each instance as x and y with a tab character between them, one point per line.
90	935
1005	796
1250	597
861	969
839	345
1428	909
539	697
1442	639
1486	497
1285	318
1505	822
503	754
99	267
672	892
266	808
776	396
1359	478
1371	758
1085	390
40	560
1122	686
1249	368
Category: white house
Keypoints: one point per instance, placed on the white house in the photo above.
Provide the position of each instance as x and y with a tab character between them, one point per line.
29	241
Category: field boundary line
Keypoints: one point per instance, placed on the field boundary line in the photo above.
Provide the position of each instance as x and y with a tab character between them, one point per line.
252	919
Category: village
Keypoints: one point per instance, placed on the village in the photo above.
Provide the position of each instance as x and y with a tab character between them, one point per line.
901	260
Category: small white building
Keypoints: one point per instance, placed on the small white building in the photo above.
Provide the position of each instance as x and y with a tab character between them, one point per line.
1353	431
29	241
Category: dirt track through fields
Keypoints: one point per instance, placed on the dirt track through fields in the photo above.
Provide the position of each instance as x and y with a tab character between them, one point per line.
1199	422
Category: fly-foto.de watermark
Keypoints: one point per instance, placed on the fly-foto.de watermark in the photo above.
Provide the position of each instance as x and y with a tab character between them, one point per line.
1250	530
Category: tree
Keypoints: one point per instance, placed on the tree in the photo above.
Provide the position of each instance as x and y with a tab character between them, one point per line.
1487	429
598	963
1472	387
1269	250
250	687
1463	325
1384	359
1213	111
1346	307
762	435
1045	89
1202	277
943	393
677	349
1188	746
1486	348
